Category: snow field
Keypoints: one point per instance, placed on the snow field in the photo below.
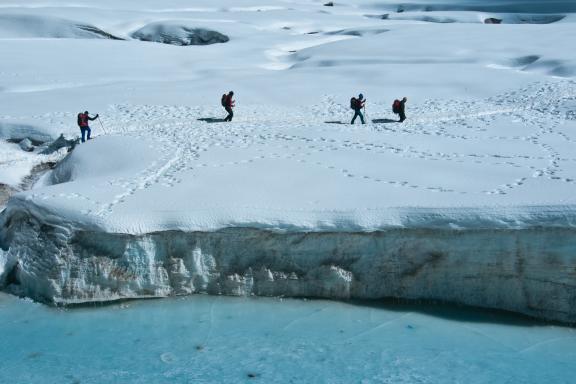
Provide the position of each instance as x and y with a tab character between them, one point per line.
468	159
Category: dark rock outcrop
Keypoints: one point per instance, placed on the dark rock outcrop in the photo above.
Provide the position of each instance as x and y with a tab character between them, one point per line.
60	142
175	34
492	20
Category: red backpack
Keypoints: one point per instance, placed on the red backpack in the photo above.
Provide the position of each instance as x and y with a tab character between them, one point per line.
396	106
82	120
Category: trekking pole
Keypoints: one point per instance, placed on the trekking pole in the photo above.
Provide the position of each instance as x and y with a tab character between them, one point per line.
102	125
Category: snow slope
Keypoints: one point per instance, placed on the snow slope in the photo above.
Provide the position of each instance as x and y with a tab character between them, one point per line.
506	162
31	26
487	149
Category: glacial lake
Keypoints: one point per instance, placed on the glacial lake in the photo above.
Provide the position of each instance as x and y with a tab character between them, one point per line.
212	339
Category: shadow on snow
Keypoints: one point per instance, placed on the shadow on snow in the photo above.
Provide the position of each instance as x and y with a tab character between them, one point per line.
384	121
211	120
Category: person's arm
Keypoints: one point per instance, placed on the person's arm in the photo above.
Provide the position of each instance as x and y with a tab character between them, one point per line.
93	118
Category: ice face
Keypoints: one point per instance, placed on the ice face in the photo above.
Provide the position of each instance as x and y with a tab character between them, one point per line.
527	271
207	339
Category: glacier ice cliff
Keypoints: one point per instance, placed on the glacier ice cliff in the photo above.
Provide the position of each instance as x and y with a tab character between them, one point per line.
530	271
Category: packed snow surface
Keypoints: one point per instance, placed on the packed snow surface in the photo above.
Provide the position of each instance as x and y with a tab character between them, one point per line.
488	146
502	162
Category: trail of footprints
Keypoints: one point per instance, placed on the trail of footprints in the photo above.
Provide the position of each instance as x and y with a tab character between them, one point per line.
183	139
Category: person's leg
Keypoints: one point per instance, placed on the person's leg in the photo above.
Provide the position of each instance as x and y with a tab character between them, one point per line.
355	116
89	132
229	116
361	117
402	116
83	130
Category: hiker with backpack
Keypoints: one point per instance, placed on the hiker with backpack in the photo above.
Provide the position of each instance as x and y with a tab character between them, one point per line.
83	119
228	103
399	108
357	104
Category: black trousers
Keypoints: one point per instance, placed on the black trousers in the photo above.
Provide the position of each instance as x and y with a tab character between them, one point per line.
230	114
357	112
402	116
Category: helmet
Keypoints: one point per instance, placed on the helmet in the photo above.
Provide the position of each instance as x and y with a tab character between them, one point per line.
360	96
85	112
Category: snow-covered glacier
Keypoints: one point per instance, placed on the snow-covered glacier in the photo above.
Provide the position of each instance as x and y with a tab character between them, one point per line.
469	201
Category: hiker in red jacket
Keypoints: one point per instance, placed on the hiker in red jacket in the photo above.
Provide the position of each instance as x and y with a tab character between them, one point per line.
83	119
228	104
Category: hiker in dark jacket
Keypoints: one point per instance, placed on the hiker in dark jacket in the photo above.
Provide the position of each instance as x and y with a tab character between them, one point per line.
402	110
83	119
357	104
228	104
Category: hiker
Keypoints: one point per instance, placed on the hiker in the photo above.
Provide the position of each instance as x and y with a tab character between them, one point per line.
399	108
357	104
83	124
228	104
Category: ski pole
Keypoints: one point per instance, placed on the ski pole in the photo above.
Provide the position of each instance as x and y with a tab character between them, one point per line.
102	125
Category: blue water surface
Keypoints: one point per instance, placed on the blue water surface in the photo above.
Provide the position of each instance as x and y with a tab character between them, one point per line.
206	339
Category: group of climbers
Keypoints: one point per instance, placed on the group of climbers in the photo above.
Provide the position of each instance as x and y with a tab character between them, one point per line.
357	104
227	101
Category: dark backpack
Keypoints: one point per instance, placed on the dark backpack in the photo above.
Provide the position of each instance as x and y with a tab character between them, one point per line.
353	103
79	119
224	100
396	106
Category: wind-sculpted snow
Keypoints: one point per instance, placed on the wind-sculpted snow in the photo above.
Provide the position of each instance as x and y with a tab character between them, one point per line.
446	17
31	26
501	6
